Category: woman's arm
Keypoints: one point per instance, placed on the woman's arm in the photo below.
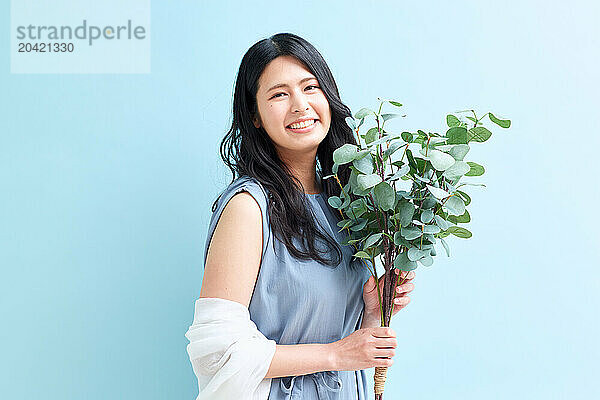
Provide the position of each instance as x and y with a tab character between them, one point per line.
301	359
231	270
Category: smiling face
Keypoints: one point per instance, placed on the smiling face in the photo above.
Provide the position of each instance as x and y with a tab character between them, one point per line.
288	92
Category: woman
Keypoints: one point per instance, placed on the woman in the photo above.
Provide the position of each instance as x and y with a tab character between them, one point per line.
273	243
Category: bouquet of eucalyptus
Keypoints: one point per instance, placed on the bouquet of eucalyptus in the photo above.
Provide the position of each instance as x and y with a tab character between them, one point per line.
404	193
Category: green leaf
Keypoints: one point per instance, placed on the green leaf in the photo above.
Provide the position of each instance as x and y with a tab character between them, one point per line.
426	216
371	135
361	224
395	103
400	173
460	232
403	263
463	219
446	247
371	240
351	123
457	135
363	112
455	205
411	233
385	195
504	123
478	134
440	160
431	229
465	197
427	261
458	169
364	164
414	254
406	211
459	151
441	222
345	154
452	121
395	145
367	181
437	192
407	137
361	254
389	116
475	169
335	202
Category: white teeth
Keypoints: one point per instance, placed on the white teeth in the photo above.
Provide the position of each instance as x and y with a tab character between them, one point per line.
302	124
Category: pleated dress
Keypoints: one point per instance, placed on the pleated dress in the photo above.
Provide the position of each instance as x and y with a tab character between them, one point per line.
297	302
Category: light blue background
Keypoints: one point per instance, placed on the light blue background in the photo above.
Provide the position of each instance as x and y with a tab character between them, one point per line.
107	183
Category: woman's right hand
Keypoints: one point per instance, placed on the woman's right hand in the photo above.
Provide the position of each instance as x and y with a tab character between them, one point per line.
365	348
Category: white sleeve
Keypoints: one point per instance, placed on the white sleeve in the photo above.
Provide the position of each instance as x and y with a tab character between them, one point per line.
229	355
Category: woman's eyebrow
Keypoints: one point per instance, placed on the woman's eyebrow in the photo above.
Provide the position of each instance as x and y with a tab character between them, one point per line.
285	84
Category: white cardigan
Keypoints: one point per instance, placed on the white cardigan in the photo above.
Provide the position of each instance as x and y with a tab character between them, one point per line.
229	355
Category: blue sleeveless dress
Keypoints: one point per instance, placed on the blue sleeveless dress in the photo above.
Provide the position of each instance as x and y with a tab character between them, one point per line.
298	302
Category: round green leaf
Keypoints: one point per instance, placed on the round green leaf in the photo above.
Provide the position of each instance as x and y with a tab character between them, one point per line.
364	164
414	254
345	154
437	192
335	202
460	232
431	229
441	222
407	137
403	263
457	135
459	151
440	160
426	216
451	120
479	134
351	123
367	181
371	135
363	112
371	240
361	254
458	169
455	205
427	261
411	233
475	169
385	195
406	211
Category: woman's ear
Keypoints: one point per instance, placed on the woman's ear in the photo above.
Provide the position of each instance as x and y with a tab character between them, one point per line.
256	121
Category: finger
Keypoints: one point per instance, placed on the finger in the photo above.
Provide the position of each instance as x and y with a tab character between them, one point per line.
401	302
406	275
404	289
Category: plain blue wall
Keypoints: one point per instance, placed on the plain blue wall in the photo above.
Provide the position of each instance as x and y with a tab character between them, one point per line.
107	182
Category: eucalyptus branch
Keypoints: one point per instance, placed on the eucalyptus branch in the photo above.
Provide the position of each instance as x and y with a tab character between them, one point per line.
413	221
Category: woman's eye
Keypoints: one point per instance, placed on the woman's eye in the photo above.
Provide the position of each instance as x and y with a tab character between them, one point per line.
312	86
276	95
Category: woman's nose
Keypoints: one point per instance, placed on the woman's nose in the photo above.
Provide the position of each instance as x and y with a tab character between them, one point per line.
300	103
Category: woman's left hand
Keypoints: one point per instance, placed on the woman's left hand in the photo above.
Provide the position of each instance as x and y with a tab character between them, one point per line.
401	299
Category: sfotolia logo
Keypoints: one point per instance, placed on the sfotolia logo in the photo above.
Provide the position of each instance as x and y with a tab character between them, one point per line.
86	32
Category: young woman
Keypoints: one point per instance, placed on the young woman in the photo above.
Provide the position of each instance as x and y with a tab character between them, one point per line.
273	243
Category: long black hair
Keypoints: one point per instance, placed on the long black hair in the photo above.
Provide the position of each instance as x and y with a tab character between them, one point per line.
248	151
